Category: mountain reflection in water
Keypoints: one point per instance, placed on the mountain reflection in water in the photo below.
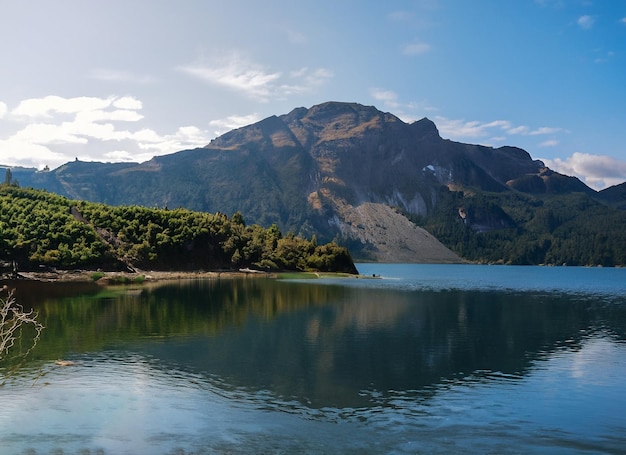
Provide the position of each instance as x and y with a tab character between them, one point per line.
487	369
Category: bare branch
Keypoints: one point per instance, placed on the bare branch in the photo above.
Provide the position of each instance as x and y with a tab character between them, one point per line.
13	318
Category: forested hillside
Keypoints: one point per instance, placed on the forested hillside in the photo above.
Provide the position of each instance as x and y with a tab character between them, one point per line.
40	228
518	228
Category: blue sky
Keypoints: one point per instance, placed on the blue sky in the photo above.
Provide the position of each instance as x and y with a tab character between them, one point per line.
127	80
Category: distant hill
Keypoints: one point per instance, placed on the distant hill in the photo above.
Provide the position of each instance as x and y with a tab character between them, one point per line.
386	189
615	195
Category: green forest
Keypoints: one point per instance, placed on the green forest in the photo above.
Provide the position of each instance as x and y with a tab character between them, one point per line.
38	228
524	229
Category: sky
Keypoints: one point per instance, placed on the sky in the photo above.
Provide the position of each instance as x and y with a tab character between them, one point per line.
128	80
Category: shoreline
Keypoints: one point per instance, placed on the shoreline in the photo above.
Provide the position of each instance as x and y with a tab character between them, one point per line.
105	278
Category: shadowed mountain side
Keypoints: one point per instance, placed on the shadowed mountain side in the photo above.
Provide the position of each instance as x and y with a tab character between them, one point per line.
615	195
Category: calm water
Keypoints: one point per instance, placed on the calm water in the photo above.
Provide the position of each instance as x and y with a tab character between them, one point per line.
422	359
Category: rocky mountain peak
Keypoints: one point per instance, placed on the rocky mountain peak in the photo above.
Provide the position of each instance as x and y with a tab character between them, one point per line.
425	128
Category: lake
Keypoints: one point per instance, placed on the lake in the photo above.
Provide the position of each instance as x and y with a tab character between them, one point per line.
408	359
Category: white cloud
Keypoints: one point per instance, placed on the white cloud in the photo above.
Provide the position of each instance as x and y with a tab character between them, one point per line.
255	81
416	48
597	171
545	130
54	130
118	115
146	135
45	107
87	115
47	133
586	22
3	109
232	122
459	128
14	152
128	102
623	20
503	124
523	130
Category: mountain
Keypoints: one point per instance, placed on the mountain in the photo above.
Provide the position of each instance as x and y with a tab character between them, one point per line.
352	173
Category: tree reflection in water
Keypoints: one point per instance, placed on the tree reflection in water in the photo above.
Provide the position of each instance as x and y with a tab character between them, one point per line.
323	345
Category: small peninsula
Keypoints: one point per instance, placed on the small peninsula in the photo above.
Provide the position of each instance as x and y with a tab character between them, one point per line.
43	233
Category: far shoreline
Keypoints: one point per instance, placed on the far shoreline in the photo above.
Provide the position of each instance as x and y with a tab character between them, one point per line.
138	277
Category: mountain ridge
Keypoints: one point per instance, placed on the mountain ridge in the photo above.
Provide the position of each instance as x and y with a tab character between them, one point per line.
326	171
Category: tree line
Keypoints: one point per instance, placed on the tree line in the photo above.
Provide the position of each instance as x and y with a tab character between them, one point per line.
38	228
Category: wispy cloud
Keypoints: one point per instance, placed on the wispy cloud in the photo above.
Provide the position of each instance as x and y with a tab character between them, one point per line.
557	4
3	109
296	37
544	130
407	15
623	20
236	74
52	129
405	111
112	75
416	48
549	143
232	122
604	56
400	16
388	97
185	137
256	81
302	80
597	171
586	22
460	129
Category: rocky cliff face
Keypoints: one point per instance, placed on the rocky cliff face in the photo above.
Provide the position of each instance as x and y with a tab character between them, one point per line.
338	170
